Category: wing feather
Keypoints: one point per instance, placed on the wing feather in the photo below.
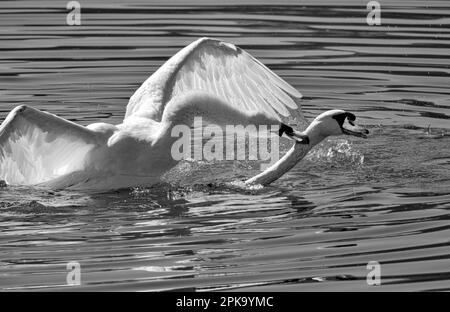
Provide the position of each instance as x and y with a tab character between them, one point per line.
218	68
37	146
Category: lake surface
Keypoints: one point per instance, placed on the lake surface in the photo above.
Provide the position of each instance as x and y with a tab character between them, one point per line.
351	201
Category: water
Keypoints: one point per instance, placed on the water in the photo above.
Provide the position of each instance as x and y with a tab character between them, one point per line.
352	201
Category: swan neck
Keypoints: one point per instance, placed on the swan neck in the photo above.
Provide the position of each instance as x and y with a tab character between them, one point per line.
291	158
314	134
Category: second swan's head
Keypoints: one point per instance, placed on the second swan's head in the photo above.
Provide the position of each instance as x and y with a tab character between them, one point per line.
336	122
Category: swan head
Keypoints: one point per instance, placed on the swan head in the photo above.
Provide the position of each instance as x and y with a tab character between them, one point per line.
335	122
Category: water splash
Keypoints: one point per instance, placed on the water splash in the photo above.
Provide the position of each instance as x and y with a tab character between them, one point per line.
241	185
338	151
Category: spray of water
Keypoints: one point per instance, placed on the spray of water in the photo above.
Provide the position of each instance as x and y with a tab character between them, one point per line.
338	151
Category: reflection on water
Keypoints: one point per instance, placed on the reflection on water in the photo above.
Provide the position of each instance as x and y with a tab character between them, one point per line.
349	202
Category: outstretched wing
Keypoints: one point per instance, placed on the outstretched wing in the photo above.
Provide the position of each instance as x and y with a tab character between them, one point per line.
221	69
36	146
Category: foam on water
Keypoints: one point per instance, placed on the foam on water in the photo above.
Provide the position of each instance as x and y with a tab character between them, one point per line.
336	151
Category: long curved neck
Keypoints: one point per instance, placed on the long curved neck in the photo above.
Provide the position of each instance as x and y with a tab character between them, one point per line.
289	160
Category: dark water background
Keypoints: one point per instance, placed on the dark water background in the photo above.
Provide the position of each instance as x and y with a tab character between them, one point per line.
352	201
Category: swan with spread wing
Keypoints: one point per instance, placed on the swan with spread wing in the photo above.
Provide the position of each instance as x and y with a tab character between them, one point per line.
209	78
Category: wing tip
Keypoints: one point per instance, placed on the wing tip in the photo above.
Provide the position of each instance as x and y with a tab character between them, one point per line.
297	94
16	111
228	45
218	42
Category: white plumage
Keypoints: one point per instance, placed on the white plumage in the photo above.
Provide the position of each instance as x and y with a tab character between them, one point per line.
220	69
209	78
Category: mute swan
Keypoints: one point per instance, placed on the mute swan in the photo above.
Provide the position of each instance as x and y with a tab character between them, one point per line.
208	78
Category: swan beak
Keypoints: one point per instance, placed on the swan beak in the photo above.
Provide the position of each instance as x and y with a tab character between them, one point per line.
292	134
351	129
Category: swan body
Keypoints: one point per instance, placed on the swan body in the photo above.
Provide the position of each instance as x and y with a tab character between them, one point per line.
209	78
